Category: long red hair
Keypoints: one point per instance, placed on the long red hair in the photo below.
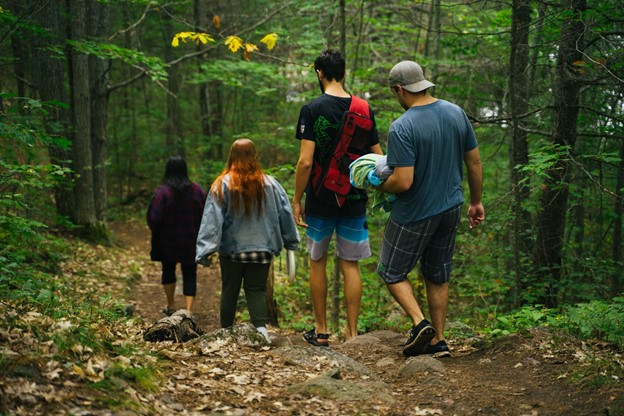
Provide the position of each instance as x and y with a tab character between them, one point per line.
246	185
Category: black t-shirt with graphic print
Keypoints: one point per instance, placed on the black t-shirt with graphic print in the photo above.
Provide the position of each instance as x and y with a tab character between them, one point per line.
319	121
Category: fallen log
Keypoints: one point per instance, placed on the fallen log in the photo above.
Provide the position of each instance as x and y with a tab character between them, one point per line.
179	327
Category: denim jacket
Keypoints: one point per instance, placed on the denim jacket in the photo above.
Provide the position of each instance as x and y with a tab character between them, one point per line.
224	232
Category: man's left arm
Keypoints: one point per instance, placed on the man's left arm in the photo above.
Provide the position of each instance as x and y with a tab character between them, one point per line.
474	172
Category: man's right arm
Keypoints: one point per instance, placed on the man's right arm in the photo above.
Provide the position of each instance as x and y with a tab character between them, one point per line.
302	177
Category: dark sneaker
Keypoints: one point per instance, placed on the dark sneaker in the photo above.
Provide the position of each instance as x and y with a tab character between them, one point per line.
311	337
168	311
419	336
438	350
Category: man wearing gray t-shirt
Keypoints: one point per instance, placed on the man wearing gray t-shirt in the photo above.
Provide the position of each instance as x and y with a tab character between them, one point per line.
427	147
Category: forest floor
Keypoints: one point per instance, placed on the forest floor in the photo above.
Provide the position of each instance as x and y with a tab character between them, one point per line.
538	373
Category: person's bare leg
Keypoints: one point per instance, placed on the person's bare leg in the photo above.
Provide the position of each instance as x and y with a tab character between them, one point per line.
188	302
404	294
352	293
170	293
437	297
318	290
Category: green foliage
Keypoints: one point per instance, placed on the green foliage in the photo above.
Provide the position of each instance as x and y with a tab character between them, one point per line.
523	319
153	66
593	320
599	319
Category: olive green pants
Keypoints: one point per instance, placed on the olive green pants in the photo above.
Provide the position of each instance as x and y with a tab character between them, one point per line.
253	278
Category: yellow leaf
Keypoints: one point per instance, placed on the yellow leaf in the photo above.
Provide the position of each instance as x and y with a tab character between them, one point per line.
234	43
186	36
247	56
216	21
204	38
269	40
78	370
250	47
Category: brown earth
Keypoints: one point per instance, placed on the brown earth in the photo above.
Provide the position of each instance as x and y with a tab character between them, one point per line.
537	374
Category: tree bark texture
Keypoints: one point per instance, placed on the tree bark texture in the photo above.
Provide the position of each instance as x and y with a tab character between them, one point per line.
616	281
49	74
519	153
175	139
554	199
99	22
272	309
84	210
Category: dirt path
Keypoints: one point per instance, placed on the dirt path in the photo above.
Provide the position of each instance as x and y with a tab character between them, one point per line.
148	295
538	374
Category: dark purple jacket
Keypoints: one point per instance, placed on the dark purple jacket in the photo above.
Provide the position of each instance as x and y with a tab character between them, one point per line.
175	226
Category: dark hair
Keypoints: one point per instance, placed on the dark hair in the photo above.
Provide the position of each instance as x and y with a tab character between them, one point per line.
176	176
332	63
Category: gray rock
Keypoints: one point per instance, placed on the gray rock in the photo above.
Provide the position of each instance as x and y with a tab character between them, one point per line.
319	357
343	390
419	365
242	334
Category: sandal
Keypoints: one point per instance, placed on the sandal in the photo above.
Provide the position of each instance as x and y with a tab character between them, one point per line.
311	337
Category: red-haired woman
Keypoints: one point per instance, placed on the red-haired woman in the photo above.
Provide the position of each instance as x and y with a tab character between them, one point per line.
247	220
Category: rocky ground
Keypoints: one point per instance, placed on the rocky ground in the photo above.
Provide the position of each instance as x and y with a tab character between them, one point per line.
237	373
540	373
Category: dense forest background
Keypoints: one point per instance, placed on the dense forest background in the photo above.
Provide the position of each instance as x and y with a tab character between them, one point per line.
95	96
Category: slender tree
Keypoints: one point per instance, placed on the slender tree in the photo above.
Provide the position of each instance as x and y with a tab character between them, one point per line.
99	24
519	93
554	199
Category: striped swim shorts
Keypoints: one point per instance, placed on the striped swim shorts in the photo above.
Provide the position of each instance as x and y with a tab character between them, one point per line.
351	237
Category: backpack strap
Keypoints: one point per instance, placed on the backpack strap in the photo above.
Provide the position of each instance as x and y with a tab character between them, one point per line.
360	106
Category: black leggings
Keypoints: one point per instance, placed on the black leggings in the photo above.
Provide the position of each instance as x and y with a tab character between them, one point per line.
189	276
253	278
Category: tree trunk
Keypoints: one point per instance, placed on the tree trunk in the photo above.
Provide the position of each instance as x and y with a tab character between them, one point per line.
435	46
99	22
272	309
84	210
49	74
175	138
203	92
554	200
335	294
616	250
343	28
518	150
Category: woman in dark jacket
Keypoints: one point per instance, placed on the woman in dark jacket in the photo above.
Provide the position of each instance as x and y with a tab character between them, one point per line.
174	216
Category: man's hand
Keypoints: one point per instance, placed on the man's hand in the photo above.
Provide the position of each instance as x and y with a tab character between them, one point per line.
299	214
476	214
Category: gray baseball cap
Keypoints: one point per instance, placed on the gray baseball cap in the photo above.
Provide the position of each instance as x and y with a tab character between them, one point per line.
409	75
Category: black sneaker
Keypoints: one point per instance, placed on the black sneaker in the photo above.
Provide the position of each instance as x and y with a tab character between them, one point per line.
419	336
168	311
438	350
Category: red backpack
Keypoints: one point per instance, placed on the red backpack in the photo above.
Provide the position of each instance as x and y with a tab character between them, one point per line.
352	142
